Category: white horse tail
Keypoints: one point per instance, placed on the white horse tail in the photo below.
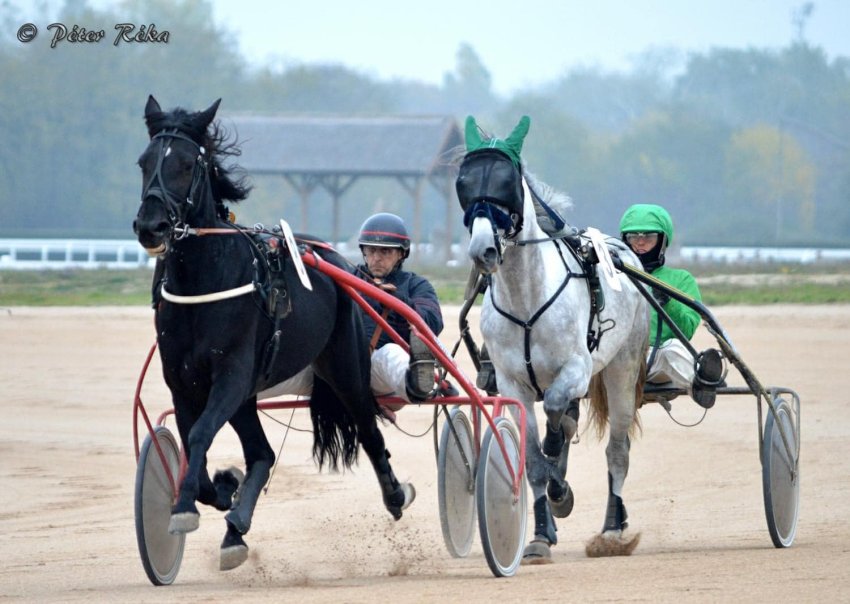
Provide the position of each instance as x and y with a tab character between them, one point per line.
598	395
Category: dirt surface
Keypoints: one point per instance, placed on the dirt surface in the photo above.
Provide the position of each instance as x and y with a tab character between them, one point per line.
68	469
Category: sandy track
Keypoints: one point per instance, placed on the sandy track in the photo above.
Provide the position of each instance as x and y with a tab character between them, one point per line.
67	465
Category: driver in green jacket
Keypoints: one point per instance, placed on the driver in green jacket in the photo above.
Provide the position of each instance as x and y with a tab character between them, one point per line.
648	230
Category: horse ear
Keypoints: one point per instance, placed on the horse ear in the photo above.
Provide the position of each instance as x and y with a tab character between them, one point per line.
152	107
472	134
516	138
208	114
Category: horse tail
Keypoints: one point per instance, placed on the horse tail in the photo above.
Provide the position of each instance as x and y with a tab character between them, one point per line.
598	394
598	417
334	431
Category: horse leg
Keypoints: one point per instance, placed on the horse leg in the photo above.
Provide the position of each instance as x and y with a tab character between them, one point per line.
561	406
397	496
259	458
613	540
184	514
538	471
185	517
556	447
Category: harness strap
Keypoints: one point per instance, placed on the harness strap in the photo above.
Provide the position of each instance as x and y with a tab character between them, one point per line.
204	298
376	335
527	325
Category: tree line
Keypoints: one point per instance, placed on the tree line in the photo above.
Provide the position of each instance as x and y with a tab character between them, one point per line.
745	147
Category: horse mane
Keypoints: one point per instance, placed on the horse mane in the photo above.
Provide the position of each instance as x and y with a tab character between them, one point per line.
226	186
557	200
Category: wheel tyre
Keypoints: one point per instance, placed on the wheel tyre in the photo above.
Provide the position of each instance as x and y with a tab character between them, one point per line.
502	518
161	552
781	474
456	484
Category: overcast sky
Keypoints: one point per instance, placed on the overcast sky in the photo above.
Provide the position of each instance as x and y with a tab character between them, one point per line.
520	42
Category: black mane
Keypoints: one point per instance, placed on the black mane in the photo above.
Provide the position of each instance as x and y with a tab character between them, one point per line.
216	140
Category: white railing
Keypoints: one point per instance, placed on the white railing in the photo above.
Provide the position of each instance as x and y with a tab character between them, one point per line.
756	255
36	254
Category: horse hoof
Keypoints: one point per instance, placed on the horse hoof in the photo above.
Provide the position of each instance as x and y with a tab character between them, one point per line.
537	552
408	491
563	506
232	556
184	522
227	484
409	494
612	543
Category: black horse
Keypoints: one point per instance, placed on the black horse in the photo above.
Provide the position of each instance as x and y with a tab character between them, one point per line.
232	319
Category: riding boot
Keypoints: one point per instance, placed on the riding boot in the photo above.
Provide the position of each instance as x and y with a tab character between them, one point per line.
419	379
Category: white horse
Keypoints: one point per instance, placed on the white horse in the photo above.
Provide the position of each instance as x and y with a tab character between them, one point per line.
536	318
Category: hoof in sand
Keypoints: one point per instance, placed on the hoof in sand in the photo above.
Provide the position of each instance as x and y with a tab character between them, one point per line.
233	556
537	552
185	522
612	543
409	494
561	508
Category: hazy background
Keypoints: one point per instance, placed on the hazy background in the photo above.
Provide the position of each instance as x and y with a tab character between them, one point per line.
732	114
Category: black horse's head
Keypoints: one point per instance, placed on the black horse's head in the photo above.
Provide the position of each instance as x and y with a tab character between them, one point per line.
183	183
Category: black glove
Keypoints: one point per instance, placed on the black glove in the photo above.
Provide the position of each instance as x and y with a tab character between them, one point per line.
660	296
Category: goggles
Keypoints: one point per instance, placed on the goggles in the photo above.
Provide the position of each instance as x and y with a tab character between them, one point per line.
647	237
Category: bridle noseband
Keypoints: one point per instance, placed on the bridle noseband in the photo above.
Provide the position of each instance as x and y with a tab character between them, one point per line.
509	224
157	189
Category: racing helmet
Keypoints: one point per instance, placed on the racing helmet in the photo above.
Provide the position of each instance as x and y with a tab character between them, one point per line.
385	230
649	218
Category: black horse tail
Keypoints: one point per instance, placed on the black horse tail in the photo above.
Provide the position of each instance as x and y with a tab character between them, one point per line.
334	431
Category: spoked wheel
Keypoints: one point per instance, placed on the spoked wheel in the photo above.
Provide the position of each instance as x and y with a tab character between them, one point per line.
501	516
456	483
161	552
781	473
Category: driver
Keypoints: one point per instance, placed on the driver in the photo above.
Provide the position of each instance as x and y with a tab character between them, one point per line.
648	230
385	245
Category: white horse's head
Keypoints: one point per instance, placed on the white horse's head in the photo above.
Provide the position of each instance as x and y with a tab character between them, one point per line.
490	226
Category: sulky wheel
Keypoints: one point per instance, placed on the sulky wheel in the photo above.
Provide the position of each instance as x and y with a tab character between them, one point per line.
781	473
456	483
501	516
160	551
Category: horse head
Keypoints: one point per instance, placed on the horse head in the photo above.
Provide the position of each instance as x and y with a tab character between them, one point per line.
490	191
182	182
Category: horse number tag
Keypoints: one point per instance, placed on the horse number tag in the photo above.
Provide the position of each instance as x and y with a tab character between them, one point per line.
296	256
605	262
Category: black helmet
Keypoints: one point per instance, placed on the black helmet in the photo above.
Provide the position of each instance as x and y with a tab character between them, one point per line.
385	230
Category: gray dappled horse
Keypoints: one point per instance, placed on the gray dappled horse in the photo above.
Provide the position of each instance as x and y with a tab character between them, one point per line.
544	336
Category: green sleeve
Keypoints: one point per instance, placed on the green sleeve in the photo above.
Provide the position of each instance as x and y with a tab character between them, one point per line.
686	318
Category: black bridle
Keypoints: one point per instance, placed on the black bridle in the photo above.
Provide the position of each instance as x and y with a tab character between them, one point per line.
156	188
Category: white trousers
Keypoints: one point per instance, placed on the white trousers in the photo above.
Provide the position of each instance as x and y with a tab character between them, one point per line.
389	368
673	363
